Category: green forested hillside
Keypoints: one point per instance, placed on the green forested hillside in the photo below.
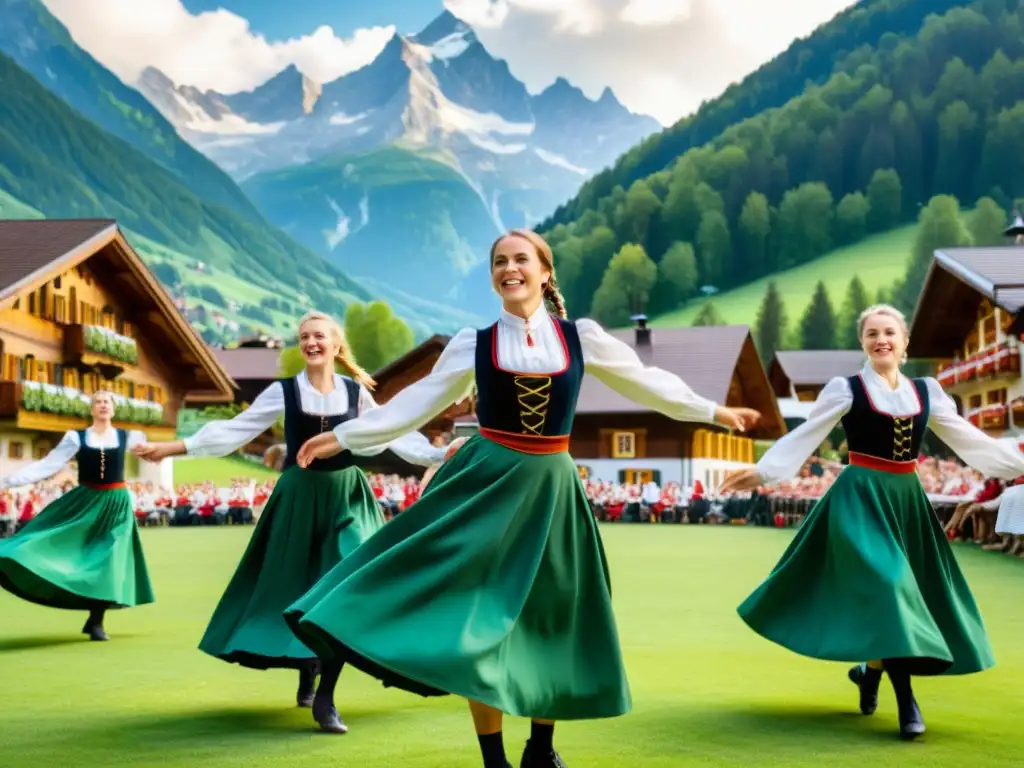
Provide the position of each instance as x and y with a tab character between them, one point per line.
42	46
933	110
811	61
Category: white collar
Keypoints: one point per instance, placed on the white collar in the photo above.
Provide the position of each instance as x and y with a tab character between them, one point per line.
870	374
537	319
305	384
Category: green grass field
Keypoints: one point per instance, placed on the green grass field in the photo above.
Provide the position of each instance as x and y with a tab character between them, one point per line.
879	260
706	691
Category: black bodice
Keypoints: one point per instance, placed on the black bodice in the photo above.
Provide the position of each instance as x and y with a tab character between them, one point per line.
873	433
101	466
528	403
300	426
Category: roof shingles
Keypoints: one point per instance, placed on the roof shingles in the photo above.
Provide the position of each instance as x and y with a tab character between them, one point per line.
30	245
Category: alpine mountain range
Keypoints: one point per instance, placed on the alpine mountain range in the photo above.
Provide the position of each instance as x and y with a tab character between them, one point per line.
402	172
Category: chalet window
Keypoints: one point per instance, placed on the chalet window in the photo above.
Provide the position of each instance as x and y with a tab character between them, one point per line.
975	401
17	304
19	374
40	449
56	282
59	309
32	303
128	330
623	445
996	397
44	298
73	304
14	450
58	374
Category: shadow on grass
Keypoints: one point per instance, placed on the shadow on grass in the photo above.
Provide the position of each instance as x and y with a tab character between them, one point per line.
40	641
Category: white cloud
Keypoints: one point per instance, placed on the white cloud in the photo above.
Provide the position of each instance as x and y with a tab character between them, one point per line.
660	57
216	49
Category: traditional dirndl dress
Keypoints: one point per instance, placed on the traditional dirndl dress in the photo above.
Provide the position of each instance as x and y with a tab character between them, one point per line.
83	551
870	574
493	585
314	518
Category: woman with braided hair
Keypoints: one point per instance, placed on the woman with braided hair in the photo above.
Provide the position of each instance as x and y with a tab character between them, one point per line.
493	586
315	517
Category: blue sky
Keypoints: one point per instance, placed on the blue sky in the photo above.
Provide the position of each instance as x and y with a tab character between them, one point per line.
281	19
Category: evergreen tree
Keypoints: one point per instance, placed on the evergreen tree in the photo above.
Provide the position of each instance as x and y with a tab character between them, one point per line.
708	315
855	302
770	330
940	226
818	325
987	223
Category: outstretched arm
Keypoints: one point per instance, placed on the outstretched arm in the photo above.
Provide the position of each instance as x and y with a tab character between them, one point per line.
992	457
449	382
413	446
48	466
616	364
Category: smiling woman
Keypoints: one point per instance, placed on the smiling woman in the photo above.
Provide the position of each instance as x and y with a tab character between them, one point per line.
496	575
315	517
887	590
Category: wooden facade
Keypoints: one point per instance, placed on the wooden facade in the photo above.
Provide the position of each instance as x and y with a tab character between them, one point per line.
90	318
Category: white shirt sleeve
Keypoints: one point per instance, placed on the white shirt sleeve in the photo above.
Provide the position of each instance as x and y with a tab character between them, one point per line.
783	460
219	438
989	456
449	381
413	447
616	364
48	466
135	437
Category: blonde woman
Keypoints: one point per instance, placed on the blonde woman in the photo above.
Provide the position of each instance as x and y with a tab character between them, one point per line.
314	517
82	552
870	576
493	585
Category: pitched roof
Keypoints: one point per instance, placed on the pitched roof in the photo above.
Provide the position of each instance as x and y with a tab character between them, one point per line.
33	251
34	246
249	363
814	367
957	282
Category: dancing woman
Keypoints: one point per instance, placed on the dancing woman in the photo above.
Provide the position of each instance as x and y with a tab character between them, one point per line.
312	520
870	574
82	552
493	585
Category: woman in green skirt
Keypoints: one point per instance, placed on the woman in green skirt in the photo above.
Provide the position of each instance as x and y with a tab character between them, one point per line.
82	552
870	576
313	519
493	585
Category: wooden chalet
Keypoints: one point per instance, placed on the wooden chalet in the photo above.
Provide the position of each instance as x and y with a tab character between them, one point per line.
253	365
969	320
798	376
79	311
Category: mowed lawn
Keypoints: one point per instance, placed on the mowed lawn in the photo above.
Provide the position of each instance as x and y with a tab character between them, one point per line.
706	691
879	261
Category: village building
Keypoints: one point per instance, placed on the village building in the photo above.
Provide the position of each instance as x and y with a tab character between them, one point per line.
969	321
79	311
798	376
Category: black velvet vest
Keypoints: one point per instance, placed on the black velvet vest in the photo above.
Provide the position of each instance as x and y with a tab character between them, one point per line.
528	403
101	466
300	426
870	432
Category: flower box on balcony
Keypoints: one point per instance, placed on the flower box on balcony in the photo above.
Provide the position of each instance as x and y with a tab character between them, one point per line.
106	342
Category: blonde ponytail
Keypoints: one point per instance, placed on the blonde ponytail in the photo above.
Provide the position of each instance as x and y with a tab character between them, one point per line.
554	297
344	355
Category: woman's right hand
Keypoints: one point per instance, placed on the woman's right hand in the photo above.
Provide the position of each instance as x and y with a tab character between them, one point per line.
744	480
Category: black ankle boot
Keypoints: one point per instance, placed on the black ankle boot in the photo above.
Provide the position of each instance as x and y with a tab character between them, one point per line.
94	627
326	714
541	758
911	721
867	679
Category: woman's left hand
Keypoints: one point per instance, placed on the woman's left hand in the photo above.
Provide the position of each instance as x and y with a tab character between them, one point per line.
323	446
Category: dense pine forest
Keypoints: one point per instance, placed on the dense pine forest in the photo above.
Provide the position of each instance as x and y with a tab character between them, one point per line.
921	116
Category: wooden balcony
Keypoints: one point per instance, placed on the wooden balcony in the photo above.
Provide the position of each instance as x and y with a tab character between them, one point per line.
84	345
12	408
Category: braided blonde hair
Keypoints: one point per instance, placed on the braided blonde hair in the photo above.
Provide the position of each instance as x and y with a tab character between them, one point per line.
344	356
551	290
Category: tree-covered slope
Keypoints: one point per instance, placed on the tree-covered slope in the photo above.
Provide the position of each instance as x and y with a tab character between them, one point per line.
812	60
936	111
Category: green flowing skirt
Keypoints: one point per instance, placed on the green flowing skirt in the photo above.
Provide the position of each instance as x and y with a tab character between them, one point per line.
492	586
870	575
82	552
311	522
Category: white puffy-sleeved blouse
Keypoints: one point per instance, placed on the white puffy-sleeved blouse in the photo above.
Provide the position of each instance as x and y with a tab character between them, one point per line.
612	361
219	438
64	452
988	455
